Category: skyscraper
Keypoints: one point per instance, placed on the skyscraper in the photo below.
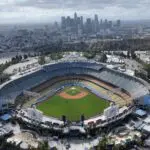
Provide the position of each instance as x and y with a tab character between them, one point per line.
118	23
76	20
88	25
81	22
96	24
75	16
106	24
101	24
63	23
110	24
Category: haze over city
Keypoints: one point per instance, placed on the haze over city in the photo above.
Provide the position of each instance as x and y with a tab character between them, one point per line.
37	11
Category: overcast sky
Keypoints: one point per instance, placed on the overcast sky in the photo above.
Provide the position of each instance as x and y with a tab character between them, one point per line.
22	11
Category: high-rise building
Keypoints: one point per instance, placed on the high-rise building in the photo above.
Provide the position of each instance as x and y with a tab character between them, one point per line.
96	24
63	23
96	18
101	24
75	16
81	20
76	20
88	25
109	24
106	24
68	21
76	24
81	24
118	23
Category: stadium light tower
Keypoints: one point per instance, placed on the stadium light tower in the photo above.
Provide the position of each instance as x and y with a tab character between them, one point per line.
82	119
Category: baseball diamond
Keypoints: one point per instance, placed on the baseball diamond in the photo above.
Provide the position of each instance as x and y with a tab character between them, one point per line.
73	105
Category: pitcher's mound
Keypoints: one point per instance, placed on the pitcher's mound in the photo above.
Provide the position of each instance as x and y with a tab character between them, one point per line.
73	93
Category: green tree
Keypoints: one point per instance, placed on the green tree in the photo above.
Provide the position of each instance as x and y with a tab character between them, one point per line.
128	54
133	55
104	58
89	54
56	56
41	60
25	56
43	146
147	69
103	144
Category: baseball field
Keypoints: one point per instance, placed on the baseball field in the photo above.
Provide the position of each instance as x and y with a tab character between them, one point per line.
73	102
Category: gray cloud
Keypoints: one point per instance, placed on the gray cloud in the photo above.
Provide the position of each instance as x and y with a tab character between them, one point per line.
42	10
83	4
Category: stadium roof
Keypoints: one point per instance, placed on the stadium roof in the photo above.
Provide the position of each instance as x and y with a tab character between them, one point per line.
5	117
140	112
146	128
147	120
147	100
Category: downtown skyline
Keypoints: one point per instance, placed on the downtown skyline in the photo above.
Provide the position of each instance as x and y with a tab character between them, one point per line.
42	11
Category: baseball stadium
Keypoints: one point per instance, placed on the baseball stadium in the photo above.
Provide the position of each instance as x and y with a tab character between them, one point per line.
76	95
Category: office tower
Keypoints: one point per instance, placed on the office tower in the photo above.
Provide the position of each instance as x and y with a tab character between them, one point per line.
68	21
106	24
81	24
110	24
118	23
88	25
63	23
96	24
75	26
75	16
81	21
101	24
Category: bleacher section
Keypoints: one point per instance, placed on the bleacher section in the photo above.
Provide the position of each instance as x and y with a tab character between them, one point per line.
130	84
9	91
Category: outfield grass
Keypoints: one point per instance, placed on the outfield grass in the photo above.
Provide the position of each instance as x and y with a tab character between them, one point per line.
57	106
